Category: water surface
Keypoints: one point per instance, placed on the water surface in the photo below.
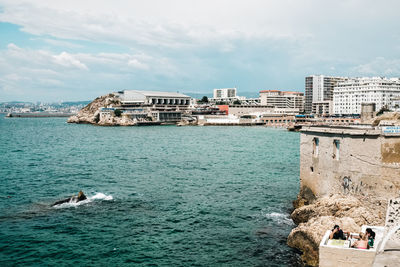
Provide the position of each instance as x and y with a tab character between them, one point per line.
159	196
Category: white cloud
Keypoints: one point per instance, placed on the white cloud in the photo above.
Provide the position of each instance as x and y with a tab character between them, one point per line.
61	43
199	45
379	66
68	60
137	64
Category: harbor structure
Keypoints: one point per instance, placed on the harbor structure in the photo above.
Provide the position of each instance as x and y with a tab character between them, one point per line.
282	99
149	105
350	94
319	93
354	160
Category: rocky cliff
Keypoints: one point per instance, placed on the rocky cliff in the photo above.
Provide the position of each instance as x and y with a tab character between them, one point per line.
90	114
314	217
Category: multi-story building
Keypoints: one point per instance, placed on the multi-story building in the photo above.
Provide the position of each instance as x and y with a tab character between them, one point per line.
319	88
350	94
282	99
160	106
224	93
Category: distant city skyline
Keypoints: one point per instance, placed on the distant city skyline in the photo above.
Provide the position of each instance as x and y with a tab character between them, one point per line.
77	50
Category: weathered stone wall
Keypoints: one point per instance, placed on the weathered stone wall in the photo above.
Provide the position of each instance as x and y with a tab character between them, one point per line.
365	165
346	178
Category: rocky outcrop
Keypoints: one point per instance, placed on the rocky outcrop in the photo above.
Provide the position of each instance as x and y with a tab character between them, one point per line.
322	214
307	236
388	118
74	199
90	113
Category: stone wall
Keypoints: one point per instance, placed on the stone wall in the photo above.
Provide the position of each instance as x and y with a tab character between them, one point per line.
347	175
366	162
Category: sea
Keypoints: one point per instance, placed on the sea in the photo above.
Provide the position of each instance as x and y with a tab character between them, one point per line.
157	195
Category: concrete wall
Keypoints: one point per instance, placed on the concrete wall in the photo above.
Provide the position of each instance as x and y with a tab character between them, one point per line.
367	162
333	257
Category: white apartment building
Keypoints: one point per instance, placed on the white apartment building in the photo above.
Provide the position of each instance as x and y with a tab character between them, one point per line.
319	89
282	99
224	93
348	95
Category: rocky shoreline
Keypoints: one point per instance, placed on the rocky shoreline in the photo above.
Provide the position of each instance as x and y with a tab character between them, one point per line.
90	114
315	216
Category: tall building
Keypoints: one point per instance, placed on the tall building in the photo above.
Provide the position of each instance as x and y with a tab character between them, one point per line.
350	94
282	99
319	91
225	93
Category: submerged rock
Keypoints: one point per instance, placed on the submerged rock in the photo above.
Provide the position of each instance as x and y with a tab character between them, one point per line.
74	199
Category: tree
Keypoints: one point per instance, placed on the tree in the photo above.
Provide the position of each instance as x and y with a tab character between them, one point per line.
117	112
204	99
382	110
237	102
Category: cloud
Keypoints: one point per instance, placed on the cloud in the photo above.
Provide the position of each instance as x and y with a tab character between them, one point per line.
60	43
137	64
379	66
89	47
68	60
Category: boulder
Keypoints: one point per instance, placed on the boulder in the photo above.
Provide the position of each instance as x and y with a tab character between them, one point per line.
350	212
363	212
90	113
307	236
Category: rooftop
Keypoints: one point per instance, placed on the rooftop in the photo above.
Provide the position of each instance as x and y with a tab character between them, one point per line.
135	96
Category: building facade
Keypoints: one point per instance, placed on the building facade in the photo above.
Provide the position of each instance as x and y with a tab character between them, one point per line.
282	99
159	106
224	93
350	94
352	160
319	88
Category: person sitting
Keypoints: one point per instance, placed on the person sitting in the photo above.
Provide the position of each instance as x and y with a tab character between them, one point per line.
337	233
362	243
370	236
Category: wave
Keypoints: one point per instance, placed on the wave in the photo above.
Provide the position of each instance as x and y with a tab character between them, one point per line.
280	217
97	196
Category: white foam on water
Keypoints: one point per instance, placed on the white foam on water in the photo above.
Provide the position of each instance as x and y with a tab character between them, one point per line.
97	196
101	196
279	217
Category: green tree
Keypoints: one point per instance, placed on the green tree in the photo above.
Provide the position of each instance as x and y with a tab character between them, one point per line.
382	110
204	99
117	112
237	102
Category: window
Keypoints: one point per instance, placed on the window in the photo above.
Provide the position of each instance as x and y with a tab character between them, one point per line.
315	146
336	149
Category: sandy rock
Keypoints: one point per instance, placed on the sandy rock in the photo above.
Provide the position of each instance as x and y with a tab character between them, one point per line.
314	219
394	117
90	113
307	236
363	212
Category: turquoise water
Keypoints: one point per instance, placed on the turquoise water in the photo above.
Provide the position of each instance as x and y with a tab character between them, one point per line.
158	196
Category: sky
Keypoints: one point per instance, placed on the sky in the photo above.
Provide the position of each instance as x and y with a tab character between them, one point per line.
53	50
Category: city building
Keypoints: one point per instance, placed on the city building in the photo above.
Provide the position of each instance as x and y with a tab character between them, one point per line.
356	160
228	96
240	110
224	93
159	106
348	95
282	99
319	88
